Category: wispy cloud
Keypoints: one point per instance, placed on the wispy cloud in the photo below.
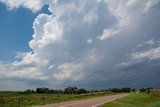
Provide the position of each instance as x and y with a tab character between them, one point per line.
149	54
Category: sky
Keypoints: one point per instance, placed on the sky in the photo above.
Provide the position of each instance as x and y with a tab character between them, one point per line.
93	44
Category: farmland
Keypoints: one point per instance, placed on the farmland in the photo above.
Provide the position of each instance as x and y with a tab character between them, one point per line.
12	99
43	95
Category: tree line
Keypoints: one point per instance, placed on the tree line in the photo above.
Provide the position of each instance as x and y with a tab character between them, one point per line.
120	90
45	90
73	90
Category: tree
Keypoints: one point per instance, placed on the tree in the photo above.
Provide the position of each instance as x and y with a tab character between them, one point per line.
42	90
70	90
81	91
126	89
143	90
29	91
133	90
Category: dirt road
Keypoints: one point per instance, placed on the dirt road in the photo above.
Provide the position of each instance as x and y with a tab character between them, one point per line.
94	102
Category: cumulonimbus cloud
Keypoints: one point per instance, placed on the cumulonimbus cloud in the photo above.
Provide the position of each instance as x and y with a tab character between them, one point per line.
75	41
34	5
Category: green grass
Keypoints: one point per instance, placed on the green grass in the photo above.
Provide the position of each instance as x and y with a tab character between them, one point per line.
136	100
12	99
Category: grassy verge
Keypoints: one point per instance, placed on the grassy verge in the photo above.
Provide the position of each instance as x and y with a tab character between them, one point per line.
136	100
27	100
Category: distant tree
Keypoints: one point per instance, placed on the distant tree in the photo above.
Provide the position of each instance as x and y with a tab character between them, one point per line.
126	89
133	90
60	92
143	90
107	90
29	91
91	91
81	91
116	90
52	91
102	90
70	90
42	90
96	91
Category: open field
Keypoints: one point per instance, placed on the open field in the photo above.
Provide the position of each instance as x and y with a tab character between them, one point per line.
93	102
136	100
12	99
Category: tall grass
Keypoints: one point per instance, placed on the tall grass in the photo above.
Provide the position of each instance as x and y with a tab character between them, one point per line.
137	100
10	99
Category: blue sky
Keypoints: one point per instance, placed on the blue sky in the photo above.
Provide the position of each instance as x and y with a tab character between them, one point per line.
91	44
16	30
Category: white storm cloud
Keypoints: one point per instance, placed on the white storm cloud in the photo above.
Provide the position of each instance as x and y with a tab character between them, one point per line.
139	56
126	12
60	51
47	30
34	5
69	71
107	33
89	41
149	54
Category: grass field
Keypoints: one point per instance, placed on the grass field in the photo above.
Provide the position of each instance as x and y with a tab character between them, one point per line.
12	99
136	100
